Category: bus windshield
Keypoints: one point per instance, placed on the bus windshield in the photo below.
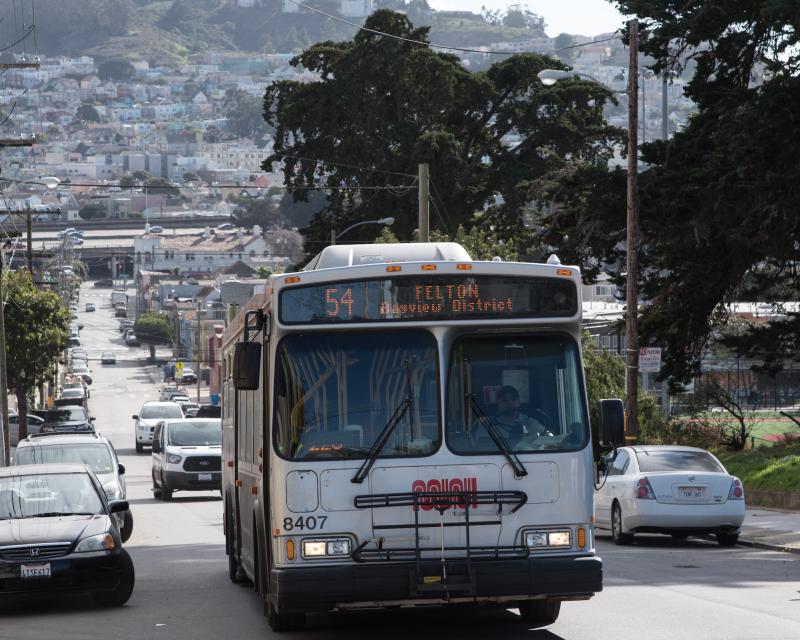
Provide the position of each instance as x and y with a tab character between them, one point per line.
336	393
527	390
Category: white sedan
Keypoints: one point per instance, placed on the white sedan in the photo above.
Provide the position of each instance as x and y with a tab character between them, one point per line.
678	491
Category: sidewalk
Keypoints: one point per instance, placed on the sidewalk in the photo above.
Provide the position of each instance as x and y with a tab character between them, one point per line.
771	529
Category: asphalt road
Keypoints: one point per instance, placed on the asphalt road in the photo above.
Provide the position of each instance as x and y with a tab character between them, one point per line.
656	589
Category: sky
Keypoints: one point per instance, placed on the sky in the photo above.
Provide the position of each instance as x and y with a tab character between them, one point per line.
580	17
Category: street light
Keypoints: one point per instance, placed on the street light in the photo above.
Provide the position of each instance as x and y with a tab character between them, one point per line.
385	221
549	77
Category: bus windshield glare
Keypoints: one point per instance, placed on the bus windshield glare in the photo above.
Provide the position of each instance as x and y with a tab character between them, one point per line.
335	394
527	389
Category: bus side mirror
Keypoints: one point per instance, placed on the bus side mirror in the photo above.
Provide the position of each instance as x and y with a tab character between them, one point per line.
612	423
247	366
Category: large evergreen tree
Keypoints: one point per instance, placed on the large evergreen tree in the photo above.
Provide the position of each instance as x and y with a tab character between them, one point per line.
383	105
719	202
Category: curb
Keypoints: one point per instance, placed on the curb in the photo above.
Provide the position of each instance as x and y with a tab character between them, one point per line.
767	545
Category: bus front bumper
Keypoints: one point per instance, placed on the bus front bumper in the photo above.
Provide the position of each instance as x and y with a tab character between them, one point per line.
325	588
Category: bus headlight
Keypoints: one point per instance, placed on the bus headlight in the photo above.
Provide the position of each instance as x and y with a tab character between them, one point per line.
548	539
329	548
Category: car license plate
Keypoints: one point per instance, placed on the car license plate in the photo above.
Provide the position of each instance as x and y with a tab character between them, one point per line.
35	571
692	493
205	476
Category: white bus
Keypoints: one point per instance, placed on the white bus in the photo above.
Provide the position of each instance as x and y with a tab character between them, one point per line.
404	426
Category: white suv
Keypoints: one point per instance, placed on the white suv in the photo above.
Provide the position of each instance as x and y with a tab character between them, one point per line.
148	416
187	456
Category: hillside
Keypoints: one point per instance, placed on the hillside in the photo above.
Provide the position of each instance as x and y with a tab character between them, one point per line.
172	31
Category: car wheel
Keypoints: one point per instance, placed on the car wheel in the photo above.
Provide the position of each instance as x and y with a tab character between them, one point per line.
139	448
616	526
539	613
166	494
280	621
127	526
122	593
727	539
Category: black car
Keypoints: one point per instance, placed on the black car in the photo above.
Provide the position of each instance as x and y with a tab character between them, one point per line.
68	419
57	534
103	283
209	411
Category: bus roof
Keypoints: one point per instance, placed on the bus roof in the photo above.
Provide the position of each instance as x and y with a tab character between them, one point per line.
351	255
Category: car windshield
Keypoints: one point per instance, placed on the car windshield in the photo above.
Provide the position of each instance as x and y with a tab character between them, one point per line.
48	494
97	456
67	414
153	412
195	434
335	395
524	392
676	460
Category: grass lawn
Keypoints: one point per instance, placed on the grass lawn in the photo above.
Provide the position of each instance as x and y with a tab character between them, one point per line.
775	468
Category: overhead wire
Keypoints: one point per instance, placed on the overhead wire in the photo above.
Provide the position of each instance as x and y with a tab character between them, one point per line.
441	46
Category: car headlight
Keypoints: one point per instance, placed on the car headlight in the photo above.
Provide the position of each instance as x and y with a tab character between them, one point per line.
329	548
113	491
173	458
102	542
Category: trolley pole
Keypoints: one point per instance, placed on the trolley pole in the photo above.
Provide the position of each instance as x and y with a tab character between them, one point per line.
424	217
632	243
4	424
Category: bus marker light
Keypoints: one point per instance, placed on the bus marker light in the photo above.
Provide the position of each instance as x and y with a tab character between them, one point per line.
238	483
581	537
431	579
230	463
290	549
291	280
564	272
464	267
428	267
393	268
276	532
254	489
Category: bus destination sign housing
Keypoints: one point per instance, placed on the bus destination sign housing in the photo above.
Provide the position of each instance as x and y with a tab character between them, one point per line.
435	298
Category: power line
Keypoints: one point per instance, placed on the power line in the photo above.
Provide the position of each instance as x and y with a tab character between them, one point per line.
441	46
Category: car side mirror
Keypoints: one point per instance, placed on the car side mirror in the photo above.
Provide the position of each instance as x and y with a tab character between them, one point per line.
118	506
135	417
247	366
92	419
121	469
612	423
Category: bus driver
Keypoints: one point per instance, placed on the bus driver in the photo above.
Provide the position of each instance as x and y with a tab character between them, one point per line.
514	424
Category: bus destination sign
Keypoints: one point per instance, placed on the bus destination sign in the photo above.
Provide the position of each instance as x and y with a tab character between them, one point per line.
429	298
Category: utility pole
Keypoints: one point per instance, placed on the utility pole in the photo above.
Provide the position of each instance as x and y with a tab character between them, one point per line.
632	243
197	366
424	217
4	424
664	108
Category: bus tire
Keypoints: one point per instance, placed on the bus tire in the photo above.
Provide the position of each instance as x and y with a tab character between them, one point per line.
539	613
279	621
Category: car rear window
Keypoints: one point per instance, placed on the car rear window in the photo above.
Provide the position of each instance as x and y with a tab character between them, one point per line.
161	411
651	461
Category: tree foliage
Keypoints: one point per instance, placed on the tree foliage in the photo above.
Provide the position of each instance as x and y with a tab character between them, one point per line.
88	113
719	202
153	328
244	114
93	211
382	106
116	69
37	329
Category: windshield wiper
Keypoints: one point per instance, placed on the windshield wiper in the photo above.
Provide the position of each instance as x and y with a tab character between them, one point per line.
500	442
383	437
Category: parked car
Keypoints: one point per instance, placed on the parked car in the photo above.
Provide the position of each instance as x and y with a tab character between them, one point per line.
188	405
70	419
179	397
156	229
120	311
108	357
188	377
80	369
59	534
187	456
72	382
103	283
225	226
74	341
165	392
91	449
149	414
71	397
209	411
130	338
124	325
89	307
34	425
679	491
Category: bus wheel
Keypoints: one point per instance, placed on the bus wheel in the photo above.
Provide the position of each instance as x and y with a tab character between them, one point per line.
539	613
283	621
